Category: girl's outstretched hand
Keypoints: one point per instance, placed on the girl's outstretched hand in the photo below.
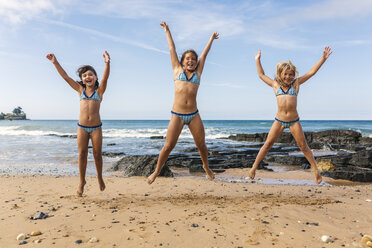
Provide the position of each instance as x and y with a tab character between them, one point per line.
258	55
215	35
106	57
327	51
51	57
164	25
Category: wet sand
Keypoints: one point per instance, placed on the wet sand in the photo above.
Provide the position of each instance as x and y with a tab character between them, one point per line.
185	212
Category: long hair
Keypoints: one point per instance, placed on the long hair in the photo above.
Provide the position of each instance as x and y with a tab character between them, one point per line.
83	69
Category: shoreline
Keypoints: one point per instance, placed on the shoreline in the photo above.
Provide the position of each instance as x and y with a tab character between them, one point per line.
175	212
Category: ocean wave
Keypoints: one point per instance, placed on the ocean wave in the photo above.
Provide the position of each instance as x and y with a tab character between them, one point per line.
18	131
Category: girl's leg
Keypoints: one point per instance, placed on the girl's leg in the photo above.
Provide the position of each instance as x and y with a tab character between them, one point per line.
197	130
299	136
275	131
174	130
96	137
82	140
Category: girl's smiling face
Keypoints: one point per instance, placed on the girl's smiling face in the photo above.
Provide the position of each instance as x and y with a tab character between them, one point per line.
288	76
89	78
189	62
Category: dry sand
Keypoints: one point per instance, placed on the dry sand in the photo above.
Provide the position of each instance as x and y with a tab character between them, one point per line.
184	212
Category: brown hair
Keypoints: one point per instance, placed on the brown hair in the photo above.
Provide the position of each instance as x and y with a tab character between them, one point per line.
186	52
83	69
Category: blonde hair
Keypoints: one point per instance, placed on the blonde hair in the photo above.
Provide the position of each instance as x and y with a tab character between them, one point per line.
281	68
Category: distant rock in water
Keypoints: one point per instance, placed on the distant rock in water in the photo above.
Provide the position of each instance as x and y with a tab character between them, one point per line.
17	114
140	166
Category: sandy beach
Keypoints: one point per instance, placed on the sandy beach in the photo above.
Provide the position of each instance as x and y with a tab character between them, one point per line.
184	212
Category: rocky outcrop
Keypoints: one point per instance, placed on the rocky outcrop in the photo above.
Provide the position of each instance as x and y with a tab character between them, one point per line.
140	166
350	155
323	137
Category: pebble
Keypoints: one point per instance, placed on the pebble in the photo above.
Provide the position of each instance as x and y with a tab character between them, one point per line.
326	239
79	241
369	244
23	242
93	240
51	208
39	215
37	241
21	236
194	225
368	200
35	233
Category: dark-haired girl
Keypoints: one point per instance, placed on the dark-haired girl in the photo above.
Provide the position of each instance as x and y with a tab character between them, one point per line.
89	125
186	75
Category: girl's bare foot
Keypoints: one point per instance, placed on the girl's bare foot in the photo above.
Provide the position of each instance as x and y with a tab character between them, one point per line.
318	178
151	178
101	183
252	173
210	174
80	189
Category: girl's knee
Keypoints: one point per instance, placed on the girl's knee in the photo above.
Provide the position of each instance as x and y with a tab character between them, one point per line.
97	154
168	147
83	152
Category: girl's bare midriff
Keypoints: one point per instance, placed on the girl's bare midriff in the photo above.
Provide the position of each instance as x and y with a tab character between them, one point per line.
287	107
185	97
89	113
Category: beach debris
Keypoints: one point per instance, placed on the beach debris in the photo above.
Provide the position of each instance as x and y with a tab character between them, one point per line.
194	225
93	240
367	239
37	241
312	223
65	235
39	215
51	208
21	236
23	242
35	233
326	239
79	241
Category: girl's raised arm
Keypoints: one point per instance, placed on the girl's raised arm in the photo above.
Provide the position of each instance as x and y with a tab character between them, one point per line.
106	74
203	55
75	85
327	51
261	72
172	48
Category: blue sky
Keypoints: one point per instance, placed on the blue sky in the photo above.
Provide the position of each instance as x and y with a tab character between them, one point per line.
140	85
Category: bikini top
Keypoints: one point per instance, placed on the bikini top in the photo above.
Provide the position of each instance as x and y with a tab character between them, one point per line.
94	96
194	78
291	91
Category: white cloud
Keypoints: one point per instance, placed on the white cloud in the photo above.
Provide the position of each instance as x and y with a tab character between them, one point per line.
108	36
19	11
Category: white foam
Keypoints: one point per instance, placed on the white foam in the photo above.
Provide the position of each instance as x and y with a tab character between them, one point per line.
17	131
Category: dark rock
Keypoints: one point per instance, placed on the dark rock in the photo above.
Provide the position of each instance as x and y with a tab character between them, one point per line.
23	242
157	137
39	215
113	154
111	144
140	166
79	241
351	173
194	225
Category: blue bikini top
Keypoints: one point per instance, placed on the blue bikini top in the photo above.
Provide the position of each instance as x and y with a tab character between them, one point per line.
291	91
94	96
194	79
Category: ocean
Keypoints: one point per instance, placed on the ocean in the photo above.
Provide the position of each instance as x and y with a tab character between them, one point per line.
43	146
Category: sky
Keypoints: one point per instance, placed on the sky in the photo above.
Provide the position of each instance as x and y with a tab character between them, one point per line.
141	80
